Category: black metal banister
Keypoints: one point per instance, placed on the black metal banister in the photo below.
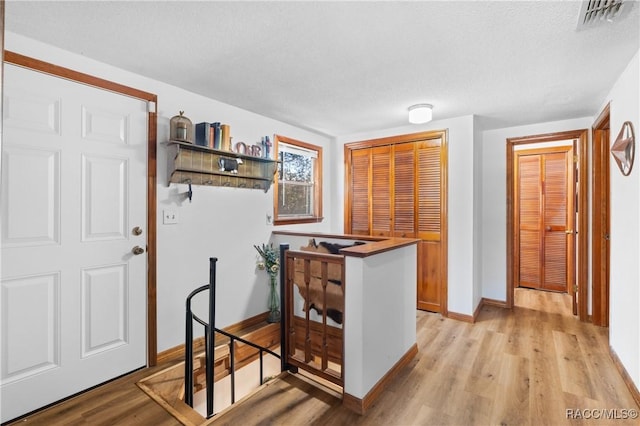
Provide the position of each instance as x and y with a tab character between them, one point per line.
284	365
246	342
188	373
209	337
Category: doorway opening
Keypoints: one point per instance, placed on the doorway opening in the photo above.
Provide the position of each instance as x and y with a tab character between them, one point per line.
546	217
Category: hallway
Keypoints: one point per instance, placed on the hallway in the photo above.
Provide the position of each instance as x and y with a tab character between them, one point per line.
528	366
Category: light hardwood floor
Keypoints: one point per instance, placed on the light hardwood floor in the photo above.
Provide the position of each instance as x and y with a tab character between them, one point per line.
527	366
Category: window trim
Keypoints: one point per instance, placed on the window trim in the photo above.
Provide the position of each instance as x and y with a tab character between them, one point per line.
317	178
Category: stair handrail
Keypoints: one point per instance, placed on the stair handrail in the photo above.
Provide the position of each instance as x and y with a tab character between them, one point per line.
209	337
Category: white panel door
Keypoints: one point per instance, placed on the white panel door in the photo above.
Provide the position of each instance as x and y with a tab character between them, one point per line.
73	294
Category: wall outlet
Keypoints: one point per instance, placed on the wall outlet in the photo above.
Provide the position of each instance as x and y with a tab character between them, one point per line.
169	217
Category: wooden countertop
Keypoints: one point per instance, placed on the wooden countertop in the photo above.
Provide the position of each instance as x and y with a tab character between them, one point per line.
376	247
372	246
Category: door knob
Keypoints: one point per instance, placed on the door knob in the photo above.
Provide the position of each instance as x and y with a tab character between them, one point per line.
136	231
137	250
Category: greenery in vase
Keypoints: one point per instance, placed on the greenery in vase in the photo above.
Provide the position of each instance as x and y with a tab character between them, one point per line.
271	263
270	259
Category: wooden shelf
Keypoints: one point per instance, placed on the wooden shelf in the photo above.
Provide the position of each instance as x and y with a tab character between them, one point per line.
198	165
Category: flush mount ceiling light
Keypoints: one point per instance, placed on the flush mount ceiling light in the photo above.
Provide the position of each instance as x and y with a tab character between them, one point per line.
420	113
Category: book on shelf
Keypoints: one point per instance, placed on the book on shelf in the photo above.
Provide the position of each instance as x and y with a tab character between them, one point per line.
226	137
217	136
214	135
203	134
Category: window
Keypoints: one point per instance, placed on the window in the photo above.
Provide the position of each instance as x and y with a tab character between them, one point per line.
298	193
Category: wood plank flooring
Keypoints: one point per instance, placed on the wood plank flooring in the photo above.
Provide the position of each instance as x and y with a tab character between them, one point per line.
527	366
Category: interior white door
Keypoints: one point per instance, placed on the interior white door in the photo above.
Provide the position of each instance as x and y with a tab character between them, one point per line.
73	299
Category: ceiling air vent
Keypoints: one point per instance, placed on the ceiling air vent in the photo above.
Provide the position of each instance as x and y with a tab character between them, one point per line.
596	12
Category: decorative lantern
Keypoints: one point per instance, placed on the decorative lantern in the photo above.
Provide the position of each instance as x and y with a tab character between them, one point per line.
181	128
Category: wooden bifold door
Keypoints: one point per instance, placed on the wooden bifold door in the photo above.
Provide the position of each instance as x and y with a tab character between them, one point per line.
396	187
545	214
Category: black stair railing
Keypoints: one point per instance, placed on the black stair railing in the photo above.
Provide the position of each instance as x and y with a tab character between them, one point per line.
209	340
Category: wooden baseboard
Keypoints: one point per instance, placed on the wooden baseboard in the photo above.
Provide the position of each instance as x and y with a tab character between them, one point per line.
352	403
473	318
246	323
476	313
360	406
177	352
625	376
461	317
493	302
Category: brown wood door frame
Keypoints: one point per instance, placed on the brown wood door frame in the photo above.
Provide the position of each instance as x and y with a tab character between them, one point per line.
349	148
570	207
68	74
581	259
600	224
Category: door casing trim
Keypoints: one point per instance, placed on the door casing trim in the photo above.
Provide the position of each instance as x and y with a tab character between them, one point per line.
82	78
566	149
600	218
581	136
444	170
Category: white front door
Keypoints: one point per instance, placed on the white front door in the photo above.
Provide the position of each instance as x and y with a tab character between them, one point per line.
73	294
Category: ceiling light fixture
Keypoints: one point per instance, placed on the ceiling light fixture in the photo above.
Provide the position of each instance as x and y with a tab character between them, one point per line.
420	113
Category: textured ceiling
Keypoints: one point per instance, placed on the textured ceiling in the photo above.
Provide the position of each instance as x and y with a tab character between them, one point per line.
345	67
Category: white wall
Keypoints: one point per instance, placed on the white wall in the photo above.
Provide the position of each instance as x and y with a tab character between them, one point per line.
219	222
373	340
460	200
494	199
624	284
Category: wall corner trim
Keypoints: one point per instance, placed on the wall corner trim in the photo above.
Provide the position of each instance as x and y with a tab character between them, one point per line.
493	302
473	318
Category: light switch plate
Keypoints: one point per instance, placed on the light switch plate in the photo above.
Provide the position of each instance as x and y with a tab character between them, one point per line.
169	217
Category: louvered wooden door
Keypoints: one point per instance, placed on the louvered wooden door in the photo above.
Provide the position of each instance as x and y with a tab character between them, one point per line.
545	207
371	190
381	197
404	205
359	213
430	163
397	189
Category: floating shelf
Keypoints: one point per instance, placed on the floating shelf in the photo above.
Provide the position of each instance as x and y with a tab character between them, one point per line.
198	165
